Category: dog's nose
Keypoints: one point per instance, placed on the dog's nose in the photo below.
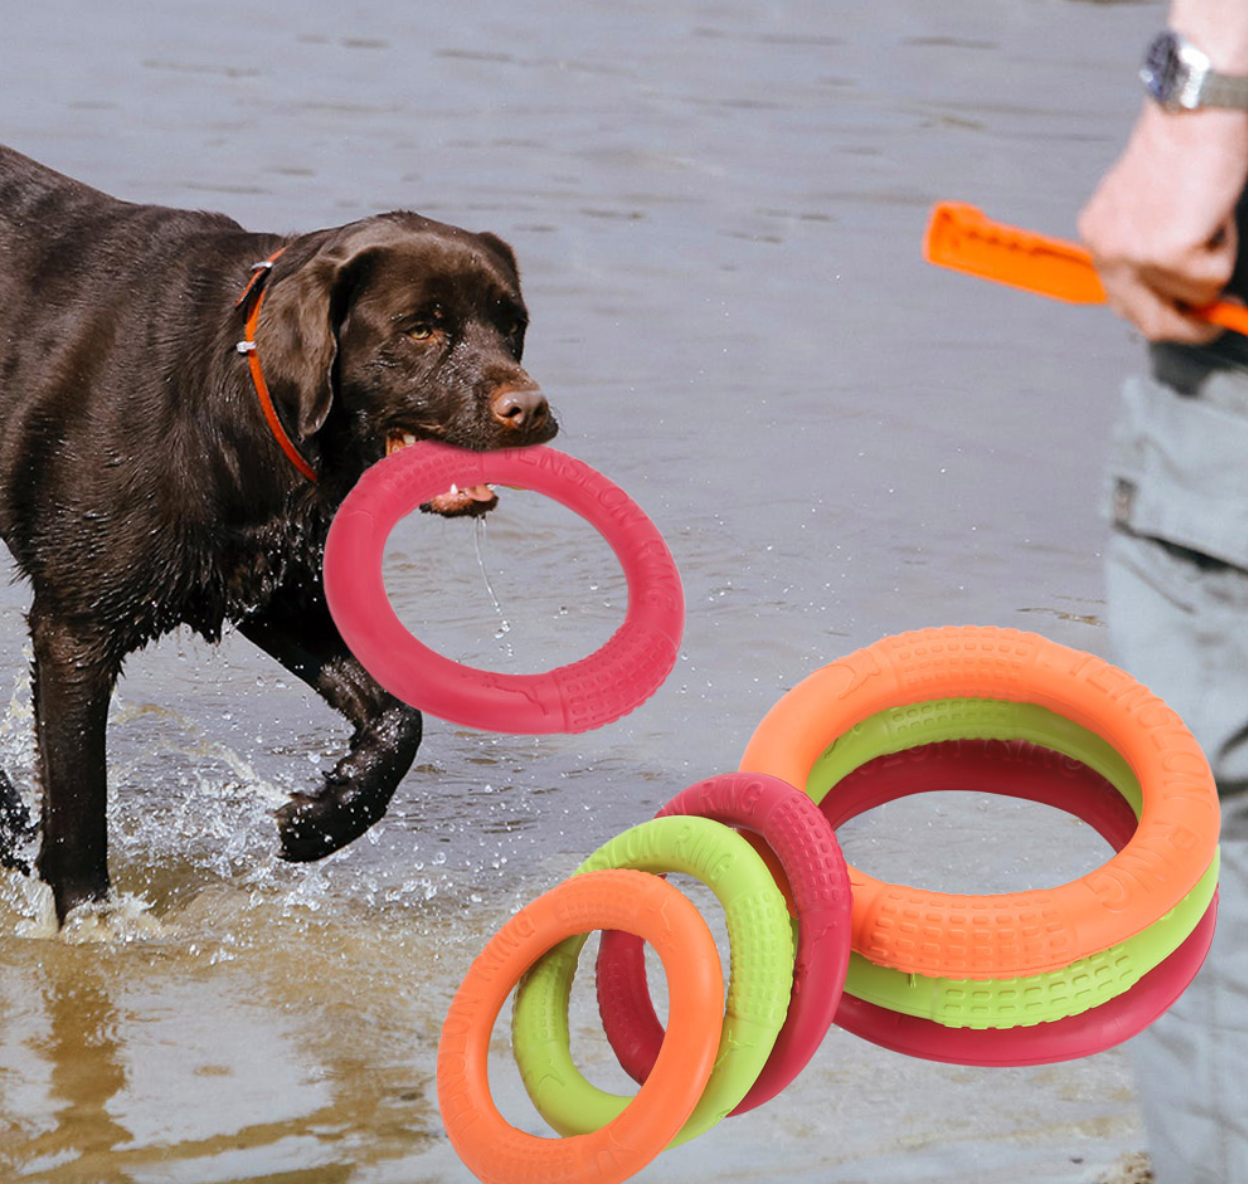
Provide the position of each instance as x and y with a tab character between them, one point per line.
522	409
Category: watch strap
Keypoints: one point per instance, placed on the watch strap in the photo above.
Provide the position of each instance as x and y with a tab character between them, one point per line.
1223	90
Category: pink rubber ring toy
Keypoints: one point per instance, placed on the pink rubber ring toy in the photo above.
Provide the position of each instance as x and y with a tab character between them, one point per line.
1017	769
803	842
587	694
1008	768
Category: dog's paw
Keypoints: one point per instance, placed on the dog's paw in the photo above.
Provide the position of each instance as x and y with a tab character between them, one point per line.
314	826
307	830
355	794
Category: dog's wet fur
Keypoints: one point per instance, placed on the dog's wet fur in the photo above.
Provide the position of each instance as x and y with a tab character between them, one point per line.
141	488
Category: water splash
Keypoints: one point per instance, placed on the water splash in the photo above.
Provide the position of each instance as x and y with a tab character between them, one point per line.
124	918
17	736
504	626
200	798
27	911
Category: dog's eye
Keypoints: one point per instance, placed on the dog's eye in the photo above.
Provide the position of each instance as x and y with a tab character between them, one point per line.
422	331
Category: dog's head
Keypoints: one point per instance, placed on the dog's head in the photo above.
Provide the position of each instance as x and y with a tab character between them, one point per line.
398	329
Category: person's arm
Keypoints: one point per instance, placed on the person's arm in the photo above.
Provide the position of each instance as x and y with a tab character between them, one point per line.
1160	226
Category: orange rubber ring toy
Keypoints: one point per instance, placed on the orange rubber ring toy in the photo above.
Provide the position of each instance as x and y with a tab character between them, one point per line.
932	933
637	902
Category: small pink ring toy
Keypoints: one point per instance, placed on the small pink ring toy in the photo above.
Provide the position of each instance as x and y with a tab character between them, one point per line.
1007	768
587	694
803	842
1021	770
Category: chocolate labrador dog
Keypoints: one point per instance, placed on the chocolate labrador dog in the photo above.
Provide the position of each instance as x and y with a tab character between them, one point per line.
177	427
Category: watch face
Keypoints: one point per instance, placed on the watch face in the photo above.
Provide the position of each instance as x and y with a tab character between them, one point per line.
1161	67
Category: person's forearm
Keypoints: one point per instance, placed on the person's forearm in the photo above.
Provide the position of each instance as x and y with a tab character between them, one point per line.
1218	27
1161	224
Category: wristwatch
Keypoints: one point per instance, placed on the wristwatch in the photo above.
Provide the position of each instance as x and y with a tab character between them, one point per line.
1181	78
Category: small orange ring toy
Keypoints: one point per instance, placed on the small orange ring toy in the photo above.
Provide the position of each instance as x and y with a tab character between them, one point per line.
637	902
932	933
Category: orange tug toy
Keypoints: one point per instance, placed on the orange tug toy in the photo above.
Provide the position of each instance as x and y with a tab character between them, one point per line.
960	237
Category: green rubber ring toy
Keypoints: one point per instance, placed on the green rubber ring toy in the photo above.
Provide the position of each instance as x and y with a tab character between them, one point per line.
759	985
899	728
1014	1002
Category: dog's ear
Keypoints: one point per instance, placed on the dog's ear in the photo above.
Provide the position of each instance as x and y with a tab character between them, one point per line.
298	334
503	251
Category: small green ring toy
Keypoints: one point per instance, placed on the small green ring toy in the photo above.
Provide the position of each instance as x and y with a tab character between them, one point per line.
759	986
898	728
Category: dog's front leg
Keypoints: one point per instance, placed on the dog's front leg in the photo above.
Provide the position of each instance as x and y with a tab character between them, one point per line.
73	681
356	792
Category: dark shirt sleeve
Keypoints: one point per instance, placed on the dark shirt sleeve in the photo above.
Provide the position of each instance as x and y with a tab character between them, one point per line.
1239	278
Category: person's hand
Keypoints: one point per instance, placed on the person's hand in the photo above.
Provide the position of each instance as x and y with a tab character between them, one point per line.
1161	225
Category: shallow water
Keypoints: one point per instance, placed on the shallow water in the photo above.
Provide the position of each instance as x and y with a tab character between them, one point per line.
718	209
